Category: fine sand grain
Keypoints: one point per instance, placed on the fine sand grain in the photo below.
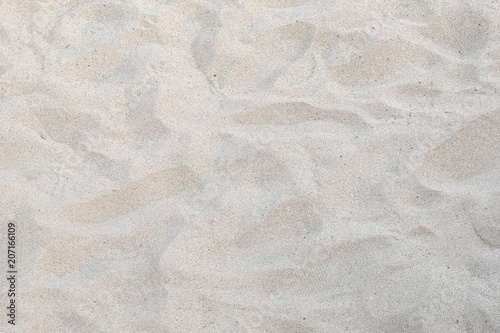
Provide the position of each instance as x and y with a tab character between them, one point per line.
282	166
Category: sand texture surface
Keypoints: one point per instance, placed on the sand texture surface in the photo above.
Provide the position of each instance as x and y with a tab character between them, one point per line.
282	166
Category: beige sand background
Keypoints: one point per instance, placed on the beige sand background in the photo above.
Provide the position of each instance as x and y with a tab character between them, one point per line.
237	166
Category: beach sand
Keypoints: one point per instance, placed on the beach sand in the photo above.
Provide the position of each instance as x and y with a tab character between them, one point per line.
283	166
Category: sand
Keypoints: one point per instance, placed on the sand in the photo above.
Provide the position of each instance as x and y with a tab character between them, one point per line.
287	166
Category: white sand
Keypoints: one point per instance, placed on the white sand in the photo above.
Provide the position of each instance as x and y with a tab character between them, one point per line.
237	166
